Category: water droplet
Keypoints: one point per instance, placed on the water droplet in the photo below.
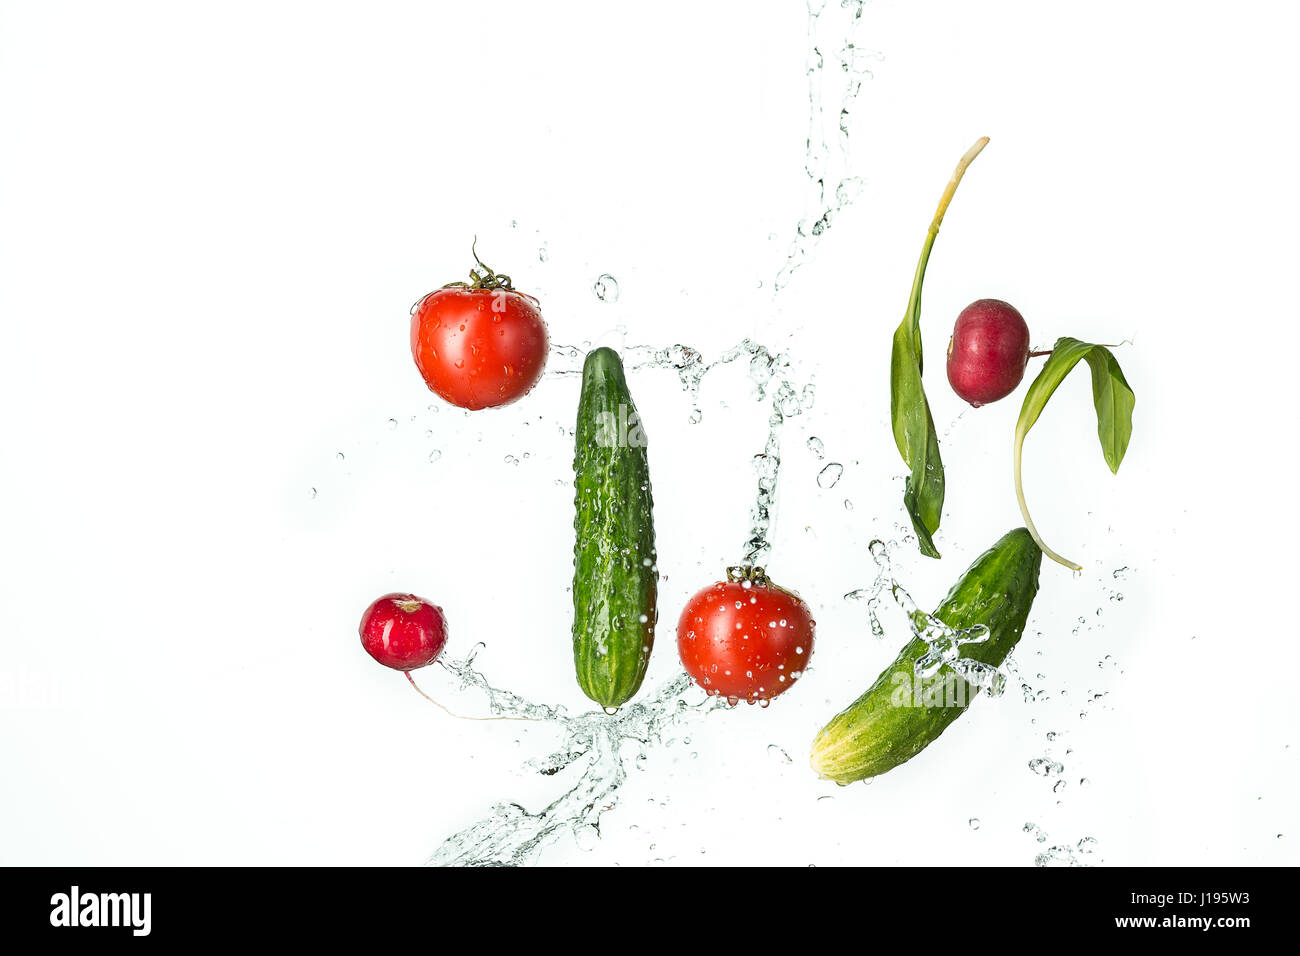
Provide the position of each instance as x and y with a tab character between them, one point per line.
511	460
777	754
829	475
434	455
313	494
606	288
587	838
974	823
1045	767
339	456
817	447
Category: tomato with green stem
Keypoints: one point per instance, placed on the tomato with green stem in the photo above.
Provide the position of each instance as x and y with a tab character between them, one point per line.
479	344
745	638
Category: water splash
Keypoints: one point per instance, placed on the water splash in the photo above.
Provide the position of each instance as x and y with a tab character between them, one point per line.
831	186
610	744
944	642
773	383
1077	855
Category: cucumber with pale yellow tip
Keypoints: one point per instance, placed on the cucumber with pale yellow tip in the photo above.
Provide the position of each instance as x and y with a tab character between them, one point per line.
904	711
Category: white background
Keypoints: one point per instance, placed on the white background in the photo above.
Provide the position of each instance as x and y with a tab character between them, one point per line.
213	218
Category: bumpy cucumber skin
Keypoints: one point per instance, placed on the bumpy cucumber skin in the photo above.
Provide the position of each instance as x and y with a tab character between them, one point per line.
615	575
875	734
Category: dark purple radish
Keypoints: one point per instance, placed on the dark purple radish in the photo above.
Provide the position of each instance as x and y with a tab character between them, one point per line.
988	351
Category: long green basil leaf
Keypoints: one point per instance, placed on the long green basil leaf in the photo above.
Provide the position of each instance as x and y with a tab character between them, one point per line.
909	411
1111	396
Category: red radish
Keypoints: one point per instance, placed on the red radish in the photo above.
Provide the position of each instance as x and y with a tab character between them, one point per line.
403	631
406	632
988	351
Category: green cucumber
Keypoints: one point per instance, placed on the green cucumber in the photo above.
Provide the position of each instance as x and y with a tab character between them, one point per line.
615	576
901	713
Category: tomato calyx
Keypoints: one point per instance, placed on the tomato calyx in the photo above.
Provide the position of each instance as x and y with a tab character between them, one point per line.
754	576
481	279
484	279
740	573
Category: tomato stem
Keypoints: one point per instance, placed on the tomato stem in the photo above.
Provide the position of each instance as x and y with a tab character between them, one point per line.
487	279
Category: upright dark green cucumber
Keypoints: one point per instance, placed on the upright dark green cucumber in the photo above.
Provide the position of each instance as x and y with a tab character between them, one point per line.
615	576
903	713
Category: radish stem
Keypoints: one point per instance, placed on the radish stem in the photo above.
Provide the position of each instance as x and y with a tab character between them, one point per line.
450	713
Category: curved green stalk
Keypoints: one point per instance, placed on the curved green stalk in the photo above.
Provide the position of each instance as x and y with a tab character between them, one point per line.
913	425
1111	396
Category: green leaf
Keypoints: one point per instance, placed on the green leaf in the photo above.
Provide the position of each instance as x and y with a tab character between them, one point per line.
1111	396
1114	402
909	411
917	440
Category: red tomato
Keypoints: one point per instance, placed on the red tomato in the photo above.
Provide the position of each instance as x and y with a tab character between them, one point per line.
745	640
479	348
